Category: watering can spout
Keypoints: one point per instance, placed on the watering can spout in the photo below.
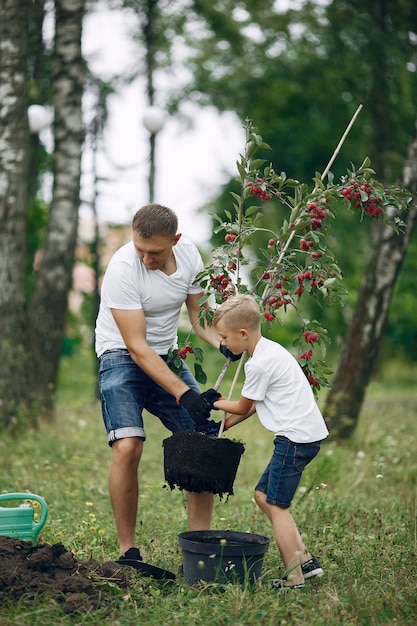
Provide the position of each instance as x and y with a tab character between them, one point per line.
19	521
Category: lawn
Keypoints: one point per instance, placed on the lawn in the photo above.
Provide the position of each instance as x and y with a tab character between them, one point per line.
356	507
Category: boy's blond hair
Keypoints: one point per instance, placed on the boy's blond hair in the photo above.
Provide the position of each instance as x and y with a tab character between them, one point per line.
240	311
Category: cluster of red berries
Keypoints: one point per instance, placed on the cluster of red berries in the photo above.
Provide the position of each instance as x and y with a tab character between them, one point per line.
305	247
230	237
281	297
362	196
313	381
222	284
317	214
306	356
260	189
315	281
310	337
184	351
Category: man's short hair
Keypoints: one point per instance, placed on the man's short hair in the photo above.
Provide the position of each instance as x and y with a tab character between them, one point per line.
155	219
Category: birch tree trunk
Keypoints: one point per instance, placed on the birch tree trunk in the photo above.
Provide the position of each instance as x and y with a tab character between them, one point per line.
48	311
14	151
344	402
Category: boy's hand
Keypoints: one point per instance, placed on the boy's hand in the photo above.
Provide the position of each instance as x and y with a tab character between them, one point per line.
211	396
229	354
209	428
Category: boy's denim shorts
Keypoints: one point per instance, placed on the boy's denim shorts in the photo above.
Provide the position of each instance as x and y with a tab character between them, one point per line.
282	475
125	391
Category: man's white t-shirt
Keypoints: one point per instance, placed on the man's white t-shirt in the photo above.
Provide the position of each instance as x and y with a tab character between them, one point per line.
285	403
129	285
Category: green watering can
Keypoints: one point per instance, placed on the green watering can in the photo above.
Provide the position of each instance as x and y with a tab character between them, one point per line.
19	522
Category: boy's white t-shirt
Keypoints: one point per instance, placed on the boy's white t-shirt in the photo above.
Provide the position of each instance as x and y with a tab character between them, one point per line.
285	403
129	285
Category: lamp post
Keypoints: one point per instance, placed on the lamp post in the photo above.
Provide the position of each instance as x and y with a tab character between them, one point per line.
153	120
39	117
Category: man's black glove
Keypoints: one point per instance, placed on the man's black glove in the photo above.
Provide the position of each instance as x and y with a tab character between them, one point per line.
209	428
196	405
229	354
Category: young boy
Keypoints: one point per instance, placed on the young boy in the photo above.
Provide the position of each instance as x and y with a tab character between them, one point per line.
277	389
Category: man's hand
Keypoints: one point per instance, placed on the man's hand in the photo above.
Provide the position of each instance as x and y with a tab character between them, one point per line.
229	354
196	404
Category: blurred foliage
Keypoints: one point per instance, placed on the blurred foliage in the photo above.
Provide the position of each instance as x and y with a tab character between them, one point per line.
300	75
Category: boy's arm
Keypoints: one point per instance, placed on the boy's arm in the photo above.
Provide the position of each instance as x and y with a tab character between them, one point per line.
240	410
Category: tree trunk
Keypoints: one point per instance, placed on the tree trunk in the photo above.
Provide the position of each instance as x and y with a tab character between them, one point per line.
361	347
49	305
14	150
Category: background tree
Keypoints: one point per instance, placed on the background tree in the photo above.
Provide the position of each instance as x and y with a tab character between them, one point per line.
47	313
362	343
33	328
14	163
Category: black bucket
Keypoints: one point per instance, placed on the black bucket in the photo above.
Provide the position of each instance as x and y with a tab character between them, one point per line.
195	462
222	556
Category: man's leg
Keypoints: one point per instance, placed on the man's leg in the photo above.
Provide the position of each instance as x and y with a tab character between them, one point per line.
124	488
200	509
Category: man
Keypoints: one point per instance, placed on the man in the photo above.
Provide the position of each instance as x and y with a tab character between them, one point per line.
145	285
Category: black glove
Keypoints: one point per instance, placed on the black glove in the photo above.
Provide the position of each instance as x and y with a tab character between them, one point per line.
229	354
209	428
196	404
211	396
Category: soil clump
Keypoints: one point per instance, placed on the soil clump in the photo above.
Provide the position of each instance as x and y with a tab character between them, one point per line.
28	572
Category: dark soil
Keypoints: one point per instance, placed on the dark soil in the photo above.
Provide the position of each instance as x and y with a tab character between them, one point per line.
195	462
29	571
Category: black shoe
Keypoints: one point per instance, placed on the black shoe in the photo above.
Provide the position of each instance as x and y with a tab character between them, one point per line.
279	583
312	568
133	559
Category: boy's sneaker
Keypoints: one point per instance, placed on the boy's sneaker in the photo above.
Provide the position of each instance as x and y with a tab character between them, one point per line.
279	583
312	568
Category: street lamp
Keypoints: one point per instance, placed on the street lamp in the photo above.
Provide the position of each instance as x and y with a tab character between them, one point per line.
39	117
153	120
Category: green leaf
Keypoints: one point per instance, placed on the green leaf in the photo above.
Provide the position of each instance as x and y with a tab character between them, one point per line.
251	210
257	163
199	355
199	373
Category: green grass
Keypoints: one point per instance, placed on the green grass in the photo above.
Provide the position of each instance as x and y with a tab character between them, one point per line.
356	507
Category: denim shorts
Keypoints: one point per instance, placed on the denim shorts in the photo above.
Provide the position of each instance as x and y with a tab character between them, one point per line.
125	391
282	475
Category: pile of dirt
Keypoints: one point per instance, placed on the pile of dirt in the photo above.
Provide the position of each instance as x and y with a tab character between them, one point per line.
28	571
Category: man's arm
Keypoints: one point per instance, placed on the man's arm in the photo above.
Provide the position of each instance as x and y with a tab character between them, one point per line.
207	333
132	327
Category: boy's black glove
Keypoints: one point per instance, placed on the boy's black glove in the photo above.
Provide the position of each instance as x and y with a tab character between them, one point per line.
209	427
211	396
229	354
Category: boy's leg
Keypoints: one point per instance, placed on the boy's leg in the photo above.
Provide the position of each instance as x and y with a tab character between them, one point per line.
287	537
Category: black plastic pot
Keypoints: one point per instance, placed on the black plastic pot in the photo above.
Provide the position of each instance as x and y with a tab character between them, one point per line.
222	556
195	462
